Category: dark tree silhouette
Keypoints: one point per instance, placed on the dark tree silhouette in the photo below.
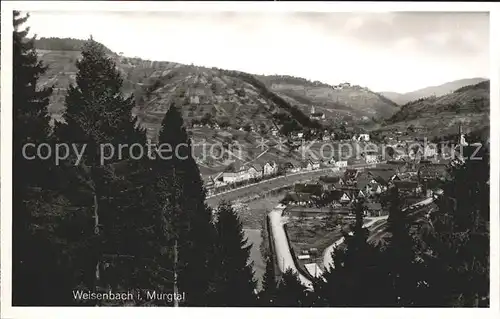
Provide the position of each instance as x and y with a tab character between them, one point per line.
36	262
189	226
267	295
234	281
291	293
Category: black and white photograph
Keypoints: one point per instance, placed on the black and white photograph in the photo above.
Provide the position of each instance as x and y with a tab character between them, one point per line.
247	158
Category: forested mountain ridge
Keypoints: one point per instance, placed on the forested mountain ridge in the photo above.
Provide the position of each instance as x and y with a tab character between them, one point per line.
230	98
437	90
439	116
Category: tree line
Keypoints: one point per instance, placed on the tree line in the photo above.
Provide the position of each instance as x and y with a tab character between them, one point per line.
143	225
61	44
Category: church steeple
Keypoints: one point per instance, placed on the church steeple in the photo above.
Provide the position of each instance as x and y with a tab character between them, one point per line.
312	109
461	136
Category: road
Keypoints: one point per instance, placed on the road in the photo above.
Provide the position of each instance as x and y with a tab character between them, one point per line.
266	185
281	245
327	255
286	260
273	183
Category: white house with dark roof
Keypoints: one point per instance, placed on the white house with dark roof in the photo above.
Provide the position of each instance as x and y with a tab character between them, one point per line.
236	173
270	168
341	164
315	164
254	171
364	137
307	165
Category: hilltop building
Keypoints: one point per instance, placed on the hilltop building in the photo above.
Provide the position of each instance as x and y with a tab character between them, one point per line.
316	115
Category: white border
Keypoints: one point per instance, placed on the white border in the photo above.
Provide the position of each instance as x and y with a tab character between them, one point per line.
67	312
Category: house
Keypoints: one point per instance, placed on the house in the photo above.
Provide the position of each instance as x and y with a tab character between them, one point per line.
209	184
364	137
431	173
339	197
313	189
298	199
307	165
362	194
224	134
318	116
377	189
355	161
371	183
430	151
350	175
270	168
363	182
371	157
298	135
331	182
332	197
345	198
373	209
218	180
236	173
408	187
382	177
416	153
341	164
331	161
289	167
315	164
255	171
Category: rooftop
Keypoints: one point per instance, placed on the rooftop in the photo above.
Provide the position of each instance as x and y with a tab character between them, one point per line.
297	197
329	179
405	184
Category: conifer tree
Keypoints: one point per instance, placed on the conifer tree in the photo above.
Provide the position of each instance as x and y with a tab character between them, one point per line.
357	279
35	261
234	281
189	220
291	293
457	257
121	225
399	252
269	284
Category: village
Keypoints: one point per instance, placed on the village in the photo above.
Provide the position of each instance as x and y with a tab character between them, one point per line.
406	155
316	215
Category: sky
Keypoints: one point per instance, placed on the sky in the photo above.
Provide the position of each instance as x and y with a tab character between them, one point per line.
394	51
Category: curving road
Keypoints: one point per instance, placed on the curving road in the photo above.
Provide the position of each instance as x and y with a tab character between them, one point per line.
281	245
282	248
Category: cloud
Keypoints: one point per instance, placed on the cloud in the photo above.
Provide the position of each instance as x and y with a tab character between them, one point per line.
457	33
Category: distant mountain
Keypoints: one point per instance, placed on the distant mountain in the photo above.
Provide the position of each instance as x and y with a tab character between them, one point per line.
438	116
343	102
61	44
212	96
439	90
230	98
